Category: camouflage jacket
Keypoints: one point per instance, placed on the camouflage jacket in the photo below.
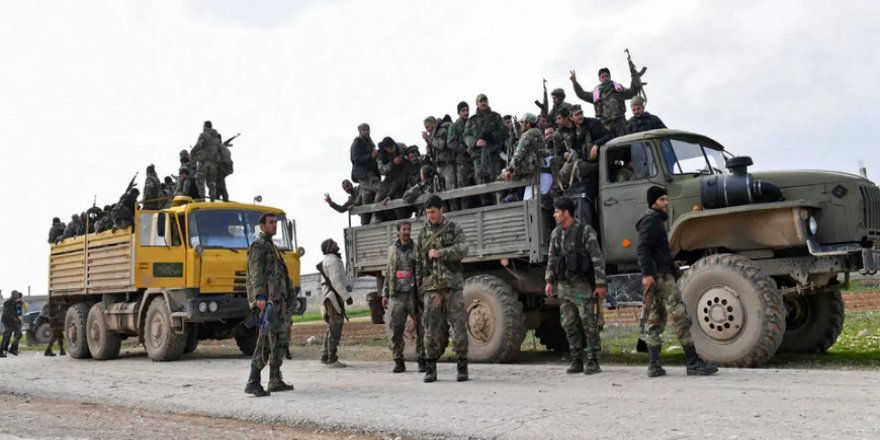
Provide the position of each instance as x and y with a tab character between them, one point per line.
455	141
386	165
555	110
644	123
56	232
187	187
266	272
608	101
446	271
562	241
424	187
564	139
206	148
439	143
152	192
489	127
528	154
354	199
10	311
400	271
73	229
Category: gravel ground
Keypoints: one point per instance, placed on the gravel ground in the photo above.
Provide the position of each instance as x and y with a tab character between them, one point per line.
502	401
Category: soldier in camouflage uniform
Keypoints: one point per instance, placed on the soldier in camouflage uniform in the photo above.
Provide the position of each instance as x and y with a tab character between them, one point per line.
105	222
485	135
608	99
205	153
56	232
400	294
641	120
73	228
662	295
57	326
558	97
529	153
186	184
440	249
269	283
464	164
152	186
123	213
443	156
576	269
11	318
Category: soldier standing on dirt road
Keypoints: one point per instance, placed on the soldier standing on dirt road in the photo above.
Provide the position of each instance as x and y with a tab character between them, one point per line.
575	265
269	283
57	330
335	289
661	291
440	249
11	318
399	295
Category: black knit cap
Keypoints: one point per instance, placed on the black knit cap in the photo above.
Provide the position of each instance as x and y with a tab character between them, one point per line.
654	193
462	105
325	246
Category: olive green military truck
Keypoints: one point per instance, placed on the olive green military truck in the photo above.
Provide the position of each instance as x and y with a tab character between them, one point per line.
764	255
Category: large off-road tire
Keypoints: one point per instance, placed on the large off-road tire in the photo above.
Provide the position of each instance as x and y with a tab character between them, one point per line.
75	324
160	339
43	333
552	335
246	339
103	343
496	323
813	322
738	313
192	339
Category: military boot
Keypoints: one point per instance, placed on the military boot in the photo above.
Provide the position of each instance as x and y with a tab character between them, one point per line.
430	371
462	375
324	359
49	352
399	366
253	385
654	368
334	363
275	382
13	350
592	366
422	364
2	353
577	364
695	365
62	353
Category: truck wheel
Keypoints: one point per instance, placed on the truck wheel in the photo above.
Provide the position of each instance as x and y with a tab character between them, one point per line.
552	336
246	339
43	333
738	313
812	322
496	323
192	339
160	340
103	343
75	331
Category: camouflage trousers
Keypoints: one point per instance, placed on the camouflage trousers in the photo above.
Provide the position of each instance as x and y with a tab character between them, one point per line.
616	126
402	306
486	173
667	300
334	322
445	308
367	190
448	171
579	316
464	176
11	333
222	193
206	173
272	349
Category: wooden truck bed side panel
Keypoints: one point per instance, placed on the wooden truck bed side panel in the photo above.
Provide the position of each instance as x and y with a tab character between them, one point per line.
106	267
501	231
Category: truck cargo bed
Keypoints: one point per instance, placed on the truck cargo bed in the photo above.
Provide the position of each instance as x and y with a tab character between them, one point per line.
93	263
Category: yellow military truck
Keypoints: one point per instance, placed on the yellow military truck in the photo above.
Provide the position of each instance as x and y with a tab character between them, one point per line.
176	277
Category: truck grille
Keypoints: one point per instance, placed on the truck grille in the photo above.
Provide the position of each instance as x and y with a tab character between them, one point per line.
239	284
871	208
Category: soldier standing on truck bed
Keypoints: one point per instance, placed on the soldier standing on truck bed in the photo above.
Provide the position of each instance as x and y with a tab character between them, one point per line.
205	154
269	283
485	136
364	170
152	194
608	99
440	249
186	184
73	227
335	290
400	294
662	295
11	318
641	120
576	268
464	164
56	231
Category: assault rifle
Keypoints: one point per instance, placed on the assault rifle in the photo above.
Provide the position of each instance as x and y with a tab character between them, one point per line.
636	76
132	184
228	142
543	105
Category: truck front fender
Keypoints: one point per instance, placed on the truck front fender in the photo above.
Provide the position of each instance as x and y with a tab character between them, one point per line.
775	225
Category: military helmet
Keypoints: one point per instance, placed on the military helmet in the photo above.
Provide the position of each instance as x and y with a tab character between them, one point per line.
530	117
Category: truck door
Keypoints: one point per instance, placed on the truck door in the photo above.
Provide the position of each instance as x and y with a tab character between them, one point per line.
160	252
626	173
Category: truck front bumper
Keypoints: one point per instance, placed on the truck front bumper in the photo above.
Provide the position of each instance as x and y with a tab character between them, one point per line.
206	308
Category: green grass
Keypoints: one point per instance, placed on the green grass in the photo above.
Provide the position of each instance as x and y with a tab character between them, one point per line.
316	316
861	286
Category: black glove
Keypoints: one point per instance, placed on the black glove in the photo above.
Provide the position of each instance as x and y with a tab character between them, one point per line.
349	301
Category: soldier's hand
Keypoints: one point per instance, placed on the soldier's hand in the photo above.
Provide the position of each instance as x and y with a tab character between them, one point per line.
374	153
386	200
481	143
327	198
573	76
647	282
398	160
385	302
601	292
566	155
548	290
426	136
261	304
594	152
433	254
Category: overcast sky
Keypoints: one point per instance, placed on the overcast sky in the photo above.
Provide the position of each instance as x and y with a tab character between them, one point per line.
92	92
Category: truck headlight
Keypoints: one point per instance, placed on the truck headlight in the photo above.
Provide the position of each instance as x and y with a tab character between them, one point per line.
812	225
203	307
212	306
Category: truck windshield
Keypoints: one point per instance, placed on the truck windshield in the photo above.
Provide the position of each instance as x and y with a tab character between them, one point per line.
683	157
232	229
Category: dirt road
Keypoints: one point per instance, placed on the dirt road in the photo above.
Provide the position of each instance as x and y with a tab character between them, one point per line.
502	401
